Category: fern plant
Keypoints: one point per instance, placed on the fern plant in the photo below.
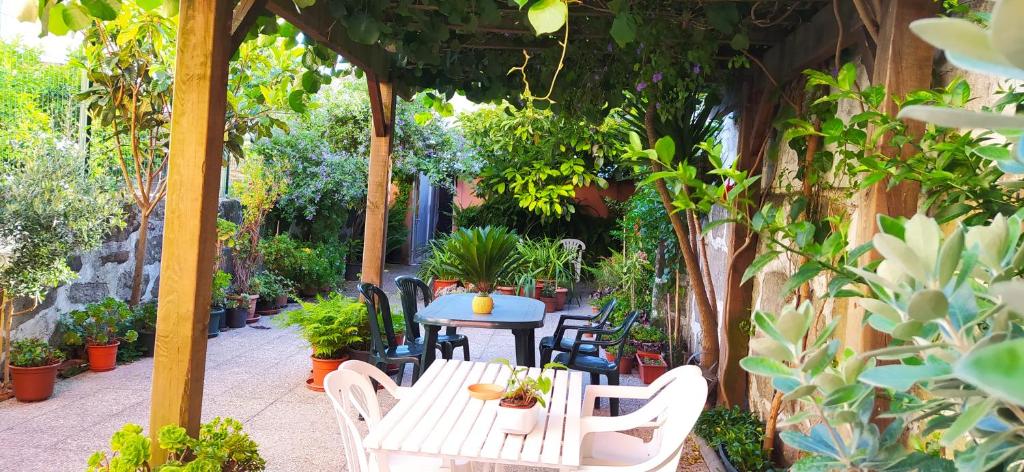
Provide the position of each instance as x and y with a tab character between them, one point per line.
330	325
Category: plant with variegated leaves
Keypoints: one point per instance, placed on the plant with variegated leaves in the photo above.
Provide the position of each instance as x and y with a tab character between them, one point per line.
953	305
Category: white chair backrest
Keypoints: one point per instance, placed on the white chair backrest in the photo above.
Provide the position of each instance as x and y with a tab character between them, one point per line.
576	247
672	412
353	396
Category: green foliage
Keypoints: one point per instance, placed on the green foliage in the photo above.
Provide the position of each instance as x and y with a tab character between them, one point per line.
305	266
952	305
261	186
739	433
437	262
541	158
221	445
546	260
482	256
34	352
523	390
329	325
219	291
502	210
35	97
269	285
52	207
98	323
628	276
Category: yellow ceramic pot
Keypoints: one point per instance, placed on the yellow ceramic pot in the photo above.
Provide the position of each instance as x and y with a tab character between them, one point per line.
483	304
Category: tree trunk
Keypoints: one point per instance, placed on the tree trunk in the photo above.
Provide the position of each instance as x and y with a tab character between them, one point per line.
707	315
140	257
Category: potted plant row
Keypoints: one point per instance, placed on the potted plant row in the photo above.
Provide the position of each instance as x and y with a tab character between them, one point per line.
273	290
34	366
96	327
218	302
650	344
330	325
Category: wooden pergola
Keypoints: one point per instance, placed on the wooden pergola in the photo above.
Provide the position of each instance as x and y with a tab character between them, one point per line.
209	32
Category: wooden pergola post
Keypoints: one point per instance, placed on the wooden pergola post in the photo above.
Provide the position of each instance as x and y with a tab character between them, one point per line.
378	181
903	63
197	142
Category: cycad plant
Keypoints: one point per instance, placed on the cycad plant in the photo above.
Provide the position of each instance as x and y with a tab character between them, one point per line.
481	256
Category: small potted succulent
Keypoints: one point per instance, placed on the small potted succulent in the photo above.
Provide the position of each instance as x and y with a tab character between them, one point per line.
97	327
34	366
481	256
220	445
652	365
523	398
218	300
330	325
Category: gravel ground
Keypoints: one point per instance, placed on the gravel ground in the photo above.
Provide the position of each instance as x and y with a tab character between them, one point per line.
254	375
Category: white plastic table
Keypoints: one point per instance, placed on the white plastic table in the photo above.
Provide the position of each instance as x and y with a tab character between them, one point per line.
438	418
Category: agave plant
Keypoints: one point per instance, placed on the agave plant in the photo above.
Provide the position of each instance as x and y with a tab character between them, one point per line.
998	51
481	256
954	308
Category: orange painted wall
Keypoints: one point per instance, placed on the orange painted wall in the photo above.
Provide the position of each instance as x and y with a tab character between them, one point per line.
590	200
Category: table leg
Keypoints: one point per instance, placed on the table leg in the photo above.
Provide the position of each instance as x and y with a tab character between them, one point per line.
429	346
524	347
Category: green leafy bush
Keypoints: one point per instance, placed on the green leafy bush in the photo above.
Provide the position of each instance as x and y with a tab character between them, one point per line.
269	285
34	352
221	284
437	262
220	446
329	325
739	433
98	323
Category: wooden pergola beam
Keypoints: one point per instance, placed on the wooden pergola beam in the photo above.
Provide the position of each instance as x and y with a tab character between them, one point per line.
186	269
242	20
378	181
317	23
813	42
903	63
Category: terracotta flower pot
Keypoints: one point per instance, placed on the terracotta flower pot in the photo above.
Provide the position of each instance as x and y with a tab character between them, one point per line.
537	288
102	357
281	301
561	296
441	284
33	384
627	364
549	304
253	317
322	367
651	371
506	290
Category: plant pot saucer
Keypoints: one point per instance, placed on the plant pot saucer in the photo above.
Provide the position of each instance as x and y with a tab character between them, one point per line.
251	320
309	385
270	312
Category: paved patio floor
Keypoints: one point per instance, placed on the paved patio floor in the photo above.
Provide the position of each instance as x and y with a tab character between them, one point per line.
254	375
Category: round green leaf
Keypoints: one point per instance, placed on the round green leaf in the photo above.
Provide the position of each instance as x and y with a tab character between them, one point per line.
907	329
548	16
363	28
150	4
928	305
105	10
310	81
56	24
296	101
765	366
76	17
623	29
997	369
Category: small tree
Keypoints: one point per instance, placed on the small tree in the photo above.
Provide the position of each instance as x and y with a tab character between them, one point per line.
263	184
51	208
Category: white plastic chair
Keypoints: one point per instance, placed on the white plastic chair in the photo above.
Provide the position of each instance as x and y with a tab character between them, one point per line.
675	401
576	247
353	396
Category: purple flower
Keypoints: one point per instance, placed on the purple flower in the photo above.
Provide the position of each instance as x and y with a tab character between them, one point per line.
609	47
656	77
641	86
696	68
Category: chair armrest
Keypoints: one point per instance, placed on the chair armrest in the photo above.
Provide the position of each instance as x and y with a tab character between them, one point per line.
645	392
401	392
560	332
603	424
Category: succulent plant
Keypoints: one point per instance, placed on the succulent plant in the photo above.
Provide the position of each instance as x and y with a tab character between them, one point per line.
954	307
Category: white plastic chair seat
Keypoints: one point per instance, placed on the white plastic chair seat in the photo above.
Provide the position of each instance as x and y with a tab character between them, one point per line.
617	449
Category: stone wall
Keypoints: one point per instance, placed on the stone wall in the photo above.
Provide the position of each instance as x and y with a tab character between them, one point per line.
106	272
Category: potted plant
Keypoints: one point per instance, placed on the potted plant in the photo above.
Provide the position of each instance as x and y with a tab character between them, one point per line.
628	357
273	291
648	339
436	265
34	369
236	311
354	259
96	327
220	445
145	325
330	325
737	435
218	300
651	366
523	398
480	256
547	295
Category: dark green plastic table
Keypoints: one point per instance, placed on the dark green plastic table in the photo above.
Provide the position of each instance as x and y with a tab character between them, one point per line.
521	315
